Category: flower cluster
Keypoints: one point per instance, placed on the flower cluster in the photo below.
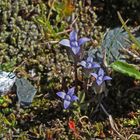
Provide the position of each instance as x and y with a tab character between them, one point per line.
99	76
75	45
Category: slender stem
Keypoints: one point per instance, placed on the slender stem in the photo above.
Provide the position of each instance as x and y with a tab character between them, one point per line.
64	32
85	85
112	123
50	10
75	74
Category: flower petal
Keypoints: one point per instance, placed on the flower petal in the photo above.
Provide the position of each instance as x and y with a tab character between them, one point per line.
83	63
89	65
83	40
94	75
73	36
107	78
74	98
75	50
90	59
66	104
61	94
73	44
99	82
71	91
96	65
101	72
65	42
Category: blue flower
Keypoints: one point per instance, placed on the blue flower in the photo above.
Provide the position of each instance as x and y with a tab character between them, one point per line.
68	97
100	77
89	64
73	42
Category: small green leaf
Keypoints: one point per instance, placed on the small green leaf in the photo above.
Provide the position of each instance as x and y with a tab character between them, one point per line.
40	21
1	100
81	97
126	69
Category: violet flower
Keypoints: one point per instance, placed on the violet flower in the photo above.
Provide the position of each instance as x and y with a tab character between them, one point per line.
73	42
100	77
89	64
68	97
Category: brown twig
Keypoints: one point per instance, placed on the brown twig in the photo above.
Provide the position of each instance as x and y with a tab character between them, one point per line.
134	135
63	32
73	22
19	65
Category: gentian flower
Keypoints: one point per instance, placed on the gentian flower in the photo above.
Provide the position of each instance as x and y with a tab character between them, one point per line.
100	77
89	64
73	42
68	97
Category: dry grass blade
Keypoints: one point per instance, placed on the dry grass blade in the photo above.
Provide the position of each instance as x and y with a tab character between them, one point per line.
112	123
